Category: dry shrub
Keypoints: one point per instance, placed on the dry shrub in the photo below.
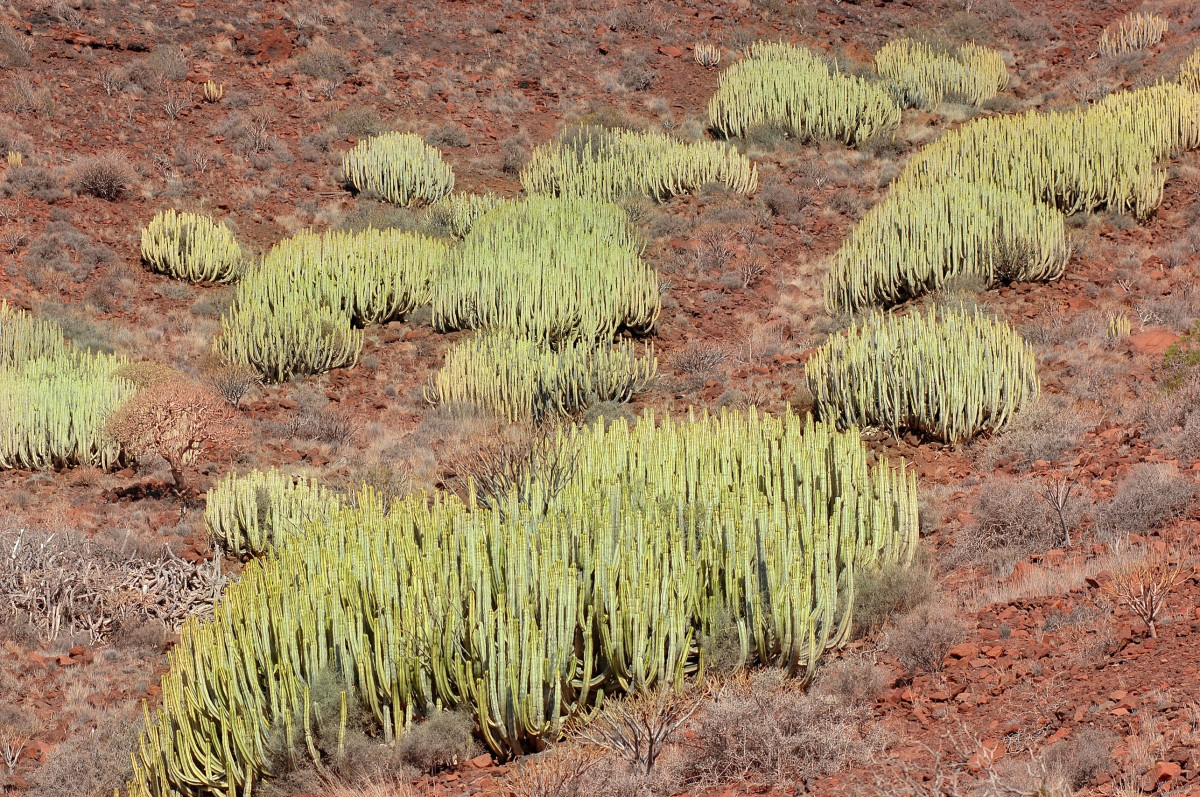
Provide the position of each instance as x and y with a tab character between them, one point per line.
14	50
105	176
33	181
175	420
764	727
511	462
855	681
324	63
54	583
1149	497
1012	520
922	638
1079	759
329	425
92	763
1047	429
699	359
1143	586
232	381
558	772
893	589
147	373
640	726
62	251
440	741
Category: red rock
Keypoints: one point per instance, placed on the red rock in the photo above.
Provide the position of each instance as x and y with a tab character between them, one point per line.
670	50
1155	342
481	761
965	650
1162	772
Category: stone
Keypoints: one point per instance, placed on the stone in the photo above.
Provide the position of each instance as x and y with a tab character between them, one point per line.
670	50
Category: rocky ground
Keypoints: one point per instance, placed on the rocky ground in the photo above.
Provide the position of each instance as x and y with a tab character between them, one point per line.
1042	657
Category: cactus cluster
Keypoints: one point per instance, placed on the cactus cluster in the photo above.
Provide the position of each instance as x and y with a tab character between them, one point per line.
925	76
1104	155
457	213
550	269
526	380
399	168
298	311
949	376
192	247
54	399
250	514
902	249
614	164
1133	32
529	616
790	88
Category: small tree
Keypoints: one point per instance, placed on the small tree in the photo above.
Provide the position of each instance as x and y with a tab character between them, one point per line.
175	420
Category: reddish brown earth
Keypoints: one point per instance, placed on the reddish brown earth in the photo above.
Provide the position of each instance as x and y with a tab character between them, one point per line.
501	72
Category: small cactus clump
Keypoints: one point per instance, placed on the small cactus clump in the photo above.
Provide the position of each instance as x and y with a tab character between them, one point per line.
399	168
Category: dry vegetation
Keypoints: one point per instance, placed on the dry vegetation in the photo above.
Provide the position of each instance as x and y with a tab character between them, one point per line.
1039	640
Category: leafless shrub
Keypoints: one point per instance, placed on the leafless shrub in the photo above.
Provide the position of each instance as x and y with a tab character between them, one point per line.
514	153
750	272
783	200
639	727
33	181
1143	586
61	582
855	681
63	250
91	763
104	176
699	358
1012	520
522	461
715	251
922	638
232	381
760	726
636	18
328	425
174	105
113	81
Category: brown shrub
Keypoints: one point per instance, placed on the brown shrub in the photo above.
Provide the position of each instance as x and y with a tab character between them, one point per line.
175	420
640	726
232	381
765	727
104	176
854	681
1012	520
1082	757
922	638
1148	498
1046	430
93	763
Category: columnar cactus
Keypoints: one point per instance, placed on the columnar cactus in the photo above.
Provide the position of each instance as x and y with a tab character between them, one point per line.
951	377
525	380
1133	32
791	88
615	164
925	77
551	269
399	168
248	515
529	614
191	247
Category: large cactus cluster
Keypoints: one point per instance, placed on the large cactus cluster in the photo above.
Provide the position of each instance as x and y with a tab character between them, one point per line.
550	269
615	164
529	614
298	311
950	377
1133	32
1104	155
925	76
192	247
399	168
903	249
790	88
54	399
248	515
526	380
